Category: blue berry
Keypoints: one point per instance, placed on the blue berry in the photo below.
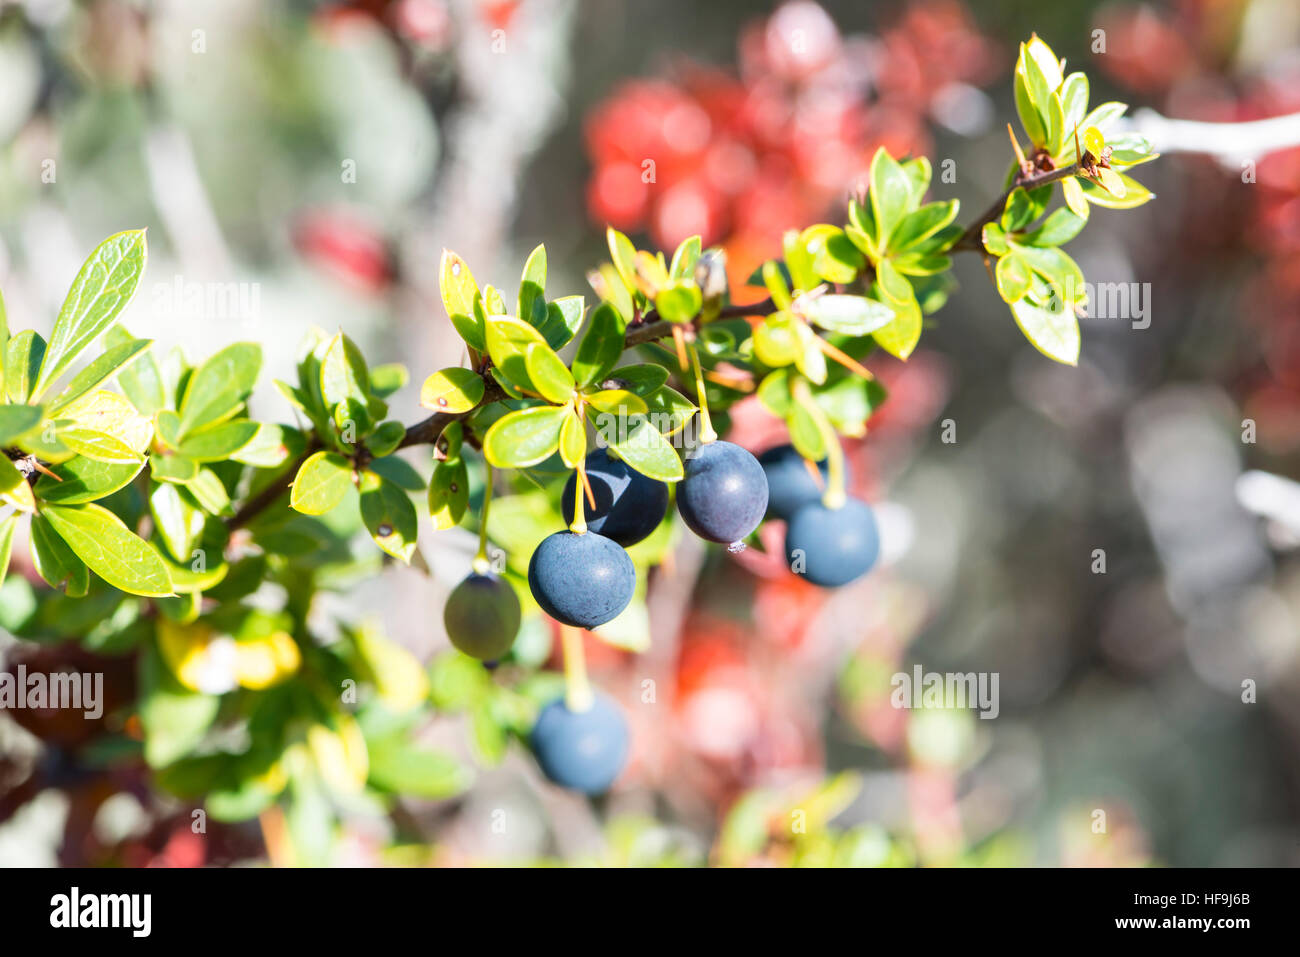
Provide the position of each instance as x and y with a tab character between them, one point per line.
581	580
832	546
482	616
724	494
629	505
583	751
790	483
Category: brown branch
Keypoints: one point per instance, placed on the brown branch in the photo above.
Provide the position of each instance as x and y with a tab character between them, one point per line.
972	240
427	431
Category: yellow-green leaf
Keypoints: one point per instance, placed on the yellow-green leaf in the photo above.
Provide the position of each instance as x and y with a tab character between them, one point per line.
321	483
389	516
525	437
110	549
452	390
101	290
549	375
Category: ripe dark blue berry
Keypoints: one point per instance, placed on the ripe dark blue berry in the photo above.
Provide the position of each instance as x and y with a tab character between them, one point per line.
832	546
482	616
790	484
629	505
584	750
724	494
581	580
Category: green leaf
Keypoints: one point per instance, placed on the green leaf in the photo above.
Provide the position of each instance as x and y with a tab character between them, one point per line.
14	489
174	718
343	373
19	421
452	390
55	562
890	194
99	446
1103	116
1013	277
388	378
209	491
562	321
508	340
111	550
471	329
900	336
386	439
218	442
551	378
919	225
623	254
110	364
646	450
776	340
805	435
1054	331
525	437
1135	194
1074	100
685	258
140	380
83	480
995	239
1045	75
403	769
389	516
835	258
219	387
916	264
848	315
1020	211
641	379
173	468
601	346
1057	230
23	356
102	289
774	393
573	441
679	301
177	520
321	483
669	410
7	526
810	360
617	402
1075	199
448	494
399	471
532	289
271	447
610	288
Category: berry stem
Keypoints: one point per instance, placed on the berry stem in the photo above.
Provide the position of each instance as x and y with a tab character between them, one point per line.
579	524
707	434
482	565
577	689
835	495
